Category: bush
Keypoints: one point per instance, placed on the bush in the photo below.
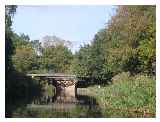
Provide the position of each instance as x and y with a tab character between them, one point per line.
121	77
132	96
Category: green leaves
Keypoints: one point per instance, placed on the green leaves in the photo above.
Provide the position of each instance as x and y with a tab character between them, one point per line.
127	44
57	59
24	58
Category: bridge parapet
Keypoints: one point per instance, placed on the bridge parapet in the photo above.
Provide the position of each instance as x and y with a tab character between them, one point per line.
53	75
63	79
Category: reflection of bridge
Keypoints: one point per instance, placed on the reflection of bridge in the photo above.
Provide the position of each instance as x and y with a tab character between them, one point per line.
65	84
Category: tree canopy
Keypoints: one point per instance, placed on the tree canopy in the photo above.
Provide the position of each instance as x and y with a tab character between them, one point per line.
126	44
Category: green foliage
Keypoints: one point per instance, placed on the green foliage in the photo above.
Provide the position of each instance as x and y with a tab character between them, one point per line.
131	26
127	44
9	49
90	60
24	58
146	55
56	59
20	40
19	89
81	62
127	96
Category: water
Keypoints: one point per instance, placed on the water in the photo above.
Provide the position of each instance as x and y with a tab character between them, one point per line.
82	105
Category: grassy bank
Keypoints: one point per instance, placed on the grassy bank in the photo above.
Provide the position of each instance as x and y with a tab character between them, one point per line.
127	96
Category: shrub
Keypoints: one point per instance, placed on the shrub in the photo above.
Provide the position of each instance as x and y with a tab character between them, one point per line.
121	77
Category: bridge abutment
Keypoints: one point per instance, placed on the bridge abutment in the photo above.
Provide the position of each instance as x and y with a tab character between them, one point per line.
66	93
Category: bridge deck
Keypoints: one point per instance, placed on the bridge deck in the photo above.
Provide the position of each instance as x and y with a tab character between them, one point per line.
51	75
61	77
55	76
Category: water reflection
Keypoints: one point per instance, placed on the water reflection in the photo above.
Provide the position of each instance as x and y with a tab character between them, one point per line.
80	106
93	109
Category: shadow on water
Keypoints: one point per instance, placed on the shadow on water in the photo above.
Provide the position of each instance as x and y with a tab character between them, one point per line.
20	90
93	109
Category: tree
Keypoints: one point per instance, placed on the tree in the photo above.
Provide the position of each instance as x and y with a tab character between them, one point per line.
9	49
24	58
127	31
81	61
126	44
48	41
36	44
17	93
57	59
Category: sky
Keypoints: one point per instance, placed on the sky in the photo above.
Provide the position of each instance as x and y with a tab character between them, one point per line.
77	24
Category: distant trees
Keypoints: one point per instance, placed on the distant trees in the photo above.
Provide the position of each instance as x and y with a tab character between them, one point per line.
48	41
33	57
81	61
37	46
56	59
55	55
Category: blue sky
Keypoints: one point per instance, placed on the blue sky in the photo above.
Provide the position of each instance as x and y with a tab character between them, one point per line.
77	24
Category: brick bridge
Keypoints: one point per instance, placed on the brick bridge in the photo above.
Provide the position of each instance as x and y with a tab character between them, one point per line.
65	84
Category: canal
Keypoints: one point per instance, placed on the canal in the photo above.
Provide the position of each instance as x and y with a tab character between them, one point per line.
82	105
